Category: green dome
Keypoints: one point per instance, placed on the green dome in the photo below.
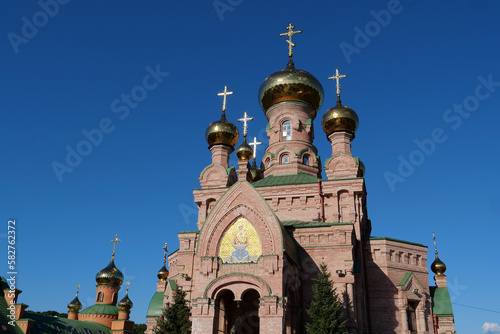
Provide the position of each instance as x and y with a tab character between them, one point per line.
101	309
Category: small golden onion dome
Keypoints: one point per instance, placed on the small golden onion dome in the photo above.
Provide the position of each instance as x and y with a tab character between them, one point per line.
109	275
291	84
75	305
244	152
163	274
125	304
255	173
339	118
222	132
362	169
438	267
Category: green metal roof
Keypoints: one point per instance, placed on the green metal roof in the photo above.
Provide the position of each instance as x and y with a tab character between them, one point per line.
289	179
300	223
155	308
173	284
397	240
4	311
441	302
54	325
101	309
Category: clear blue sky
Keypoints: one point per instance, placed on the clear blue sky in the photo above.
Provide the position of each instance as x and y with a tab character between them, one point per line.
69	75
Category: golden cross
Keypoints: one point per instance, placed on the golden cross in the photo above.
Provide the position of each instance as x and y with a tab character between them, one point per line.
225	93
254	144
245	119
128	284
78	289
337	78
165	254
115	240
290	33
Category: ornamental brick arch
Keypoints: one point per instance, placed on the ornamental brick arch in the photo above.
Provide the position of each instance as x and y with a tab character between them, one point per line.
238	283
241	200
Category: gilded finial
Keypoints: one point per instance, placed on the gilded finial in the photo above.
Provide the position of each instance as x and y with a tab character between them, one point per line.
438	266
225	93
165	254
291	45
245	119
254	145
114	241
337	78
78	289
128	285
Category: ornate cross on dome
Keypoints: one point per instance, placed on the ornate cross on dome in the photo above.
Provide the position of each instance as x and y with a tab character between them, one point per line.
225	93
114	241
128	284
165	254
254	144
337	78
245	119
435	247
290	33
78	289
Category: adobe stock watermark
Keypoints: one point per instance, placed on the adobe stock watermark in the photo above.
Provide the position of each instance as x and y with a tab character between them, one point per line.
372	29
120	106
223	6
453	117
30	27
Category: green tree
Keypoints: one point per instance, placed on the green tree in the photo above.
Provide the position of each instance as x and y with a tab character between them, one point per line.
52	314
175	319
326	312
140	328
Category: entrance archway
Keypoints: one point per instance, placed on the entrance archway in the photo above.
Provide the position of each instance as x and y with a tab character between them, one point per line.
237	316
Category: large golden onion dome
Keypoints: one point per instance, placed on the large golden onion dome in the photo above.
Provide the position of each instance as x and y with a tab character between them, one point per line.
109	275
438	267
244	152
125	304
75	305
163	273
291	84
339	118
222	132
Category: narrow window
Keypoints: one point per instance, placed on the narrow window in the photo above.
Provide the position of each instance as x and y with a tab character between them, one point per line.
115	298
285	159
287	131
99	297
268	162
305	160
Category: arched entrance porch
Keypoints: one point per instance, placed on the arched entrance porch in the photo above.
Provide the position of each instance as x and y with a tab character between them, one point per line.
237	316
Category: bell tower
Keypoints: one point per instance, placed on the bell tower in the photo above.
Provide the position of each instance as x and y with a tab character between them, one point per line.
290	99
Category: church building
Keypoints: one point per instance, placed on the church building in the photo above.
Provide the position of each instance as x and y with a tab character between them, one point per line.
264	228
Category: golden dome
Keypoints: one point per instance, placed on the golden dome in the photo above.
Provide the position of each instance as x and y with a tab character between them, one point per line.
125	304
255	173
291	84
339	118
244	152
222	132
75	305
109	275
438	267
163	274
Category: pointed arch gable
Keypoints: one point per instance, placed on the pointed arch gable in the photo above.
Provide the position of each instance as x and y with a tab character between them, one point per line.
241	200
